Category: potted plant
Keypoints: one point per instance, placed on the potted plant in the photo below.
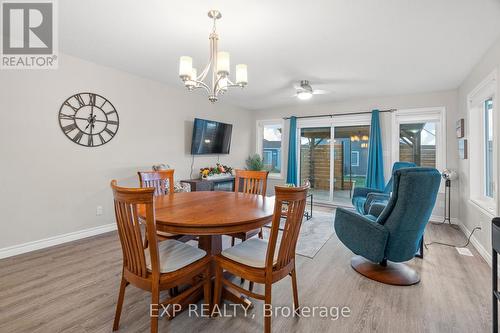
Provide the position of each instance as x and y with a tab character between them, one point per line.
254	163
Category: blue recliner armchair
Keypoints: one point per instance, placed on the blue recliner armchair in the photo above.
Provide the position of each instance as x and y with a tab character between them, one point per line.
363	196
384	242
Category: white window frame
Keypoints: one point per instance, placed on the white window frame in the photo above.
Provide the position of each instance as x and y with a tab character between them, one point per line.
422	115
260	138
355	152
475	104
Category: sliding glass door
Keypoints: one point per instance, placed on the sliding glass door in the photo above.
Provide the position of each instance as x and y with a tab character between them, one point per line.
334	156
350	161
315	167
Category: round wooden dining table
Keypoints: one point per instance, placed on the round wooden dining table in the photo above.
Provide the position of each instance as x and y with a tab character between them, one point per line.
209	215
212	214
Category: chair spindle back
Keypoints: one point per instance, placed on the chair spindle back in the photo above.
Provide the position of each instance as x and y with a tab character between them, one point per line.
127	202
295	199
254	182
158	180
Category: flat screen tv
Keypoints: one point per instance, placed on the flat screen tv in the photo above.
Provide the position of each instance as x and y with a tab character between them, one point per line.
210	137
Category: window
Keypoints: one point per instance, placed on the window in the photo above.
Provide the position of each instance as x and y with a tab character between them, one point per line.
267	157
417	143
269	145
482	145
355	158
419	136
488	148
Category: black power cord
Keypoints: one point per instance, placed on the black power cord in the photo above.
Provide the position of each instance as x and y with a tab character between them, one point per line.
192	163
453	245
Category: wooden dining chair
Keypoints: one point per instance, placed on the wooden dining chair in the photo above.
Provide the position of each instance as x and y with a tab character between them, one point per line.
158	180
253	182
163	183
266	262
162	265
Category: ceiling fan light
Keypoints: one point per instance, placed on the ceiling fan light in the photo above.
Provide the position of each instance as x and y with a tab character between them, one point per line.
304	95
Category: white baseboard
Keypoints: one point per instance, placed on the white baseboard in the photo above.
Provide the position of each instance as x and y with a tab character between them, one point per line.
437	218
486	255
55	240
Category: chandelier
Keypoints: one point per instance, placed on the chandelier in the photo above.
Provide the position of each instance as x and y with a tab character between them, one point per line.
219	65
360	138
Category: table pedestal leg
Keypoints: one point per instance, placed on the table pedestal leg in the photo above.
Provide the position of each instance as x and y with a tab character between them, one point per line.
212	244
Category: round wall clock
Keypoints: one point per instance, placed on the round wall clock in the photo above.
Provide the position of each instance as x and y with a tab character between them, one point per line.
88	119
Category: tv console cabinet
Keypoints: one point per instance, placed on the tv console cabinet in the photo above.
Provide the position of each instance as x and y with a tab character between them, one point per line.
217	184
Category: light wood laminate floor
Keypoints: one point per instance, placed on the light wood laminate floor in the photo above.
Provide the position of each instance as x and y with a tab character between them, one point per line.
73	288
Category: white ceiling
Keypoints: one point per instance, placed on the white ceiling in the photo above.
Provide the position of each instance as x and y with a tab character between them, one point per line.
360	48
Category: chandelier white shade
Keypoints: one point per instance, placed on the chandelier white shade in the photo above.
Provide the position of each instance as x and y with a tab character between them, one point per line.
185	66
241	73
223	63
219	68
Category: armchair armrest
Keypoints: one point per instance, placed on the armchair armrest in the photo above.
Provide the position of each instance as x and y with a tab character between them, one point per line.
376	209
363	191
372	198
361	235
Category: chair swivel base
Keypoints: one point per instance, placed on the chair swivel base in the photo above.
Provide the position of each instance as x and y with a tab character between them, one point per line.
397	274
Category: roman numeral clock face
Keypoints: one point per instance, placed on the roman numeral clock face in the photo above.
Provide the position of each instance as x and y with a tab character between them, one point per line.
88	119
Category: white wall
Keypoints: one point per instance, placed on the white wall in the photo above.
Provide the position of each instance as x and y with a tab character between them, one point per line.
51	186
470	215
448	99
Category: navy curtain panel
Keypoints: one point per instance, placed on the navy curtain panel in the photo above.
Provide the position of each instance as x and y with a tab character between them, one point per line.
375	172
291	173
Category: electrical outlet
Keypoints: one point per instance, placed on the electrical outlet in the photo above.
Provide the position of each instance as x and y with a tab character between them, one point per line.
99	211
464	251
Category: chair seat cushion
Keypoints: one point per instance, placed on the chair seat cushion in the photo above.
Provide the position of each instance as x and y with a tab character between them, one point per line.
174	255
251	252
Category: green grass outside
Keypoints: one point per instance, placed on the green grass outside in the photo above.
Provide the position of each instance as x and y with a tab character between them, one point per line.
360	180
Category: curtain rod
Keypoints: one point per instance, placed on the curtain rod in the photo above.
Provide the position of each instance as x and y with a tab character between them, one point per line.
339	114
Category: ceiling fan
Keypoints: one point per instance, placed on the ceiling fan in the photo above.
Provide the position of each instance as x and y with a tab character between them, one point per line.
304	91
